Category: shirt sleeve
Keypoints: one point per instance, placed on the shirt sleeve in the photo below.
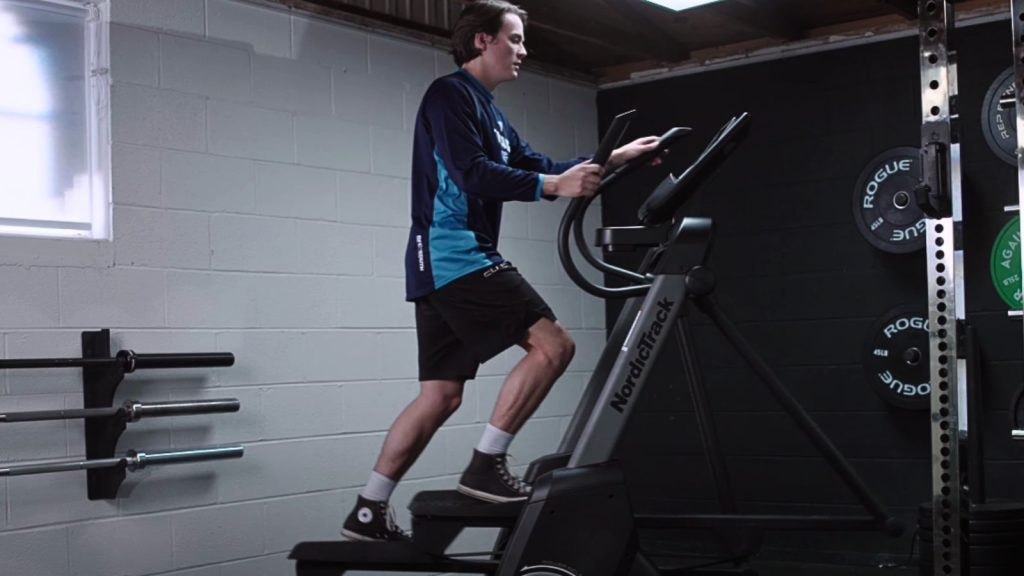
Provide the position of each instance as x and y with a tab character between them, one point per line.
453	123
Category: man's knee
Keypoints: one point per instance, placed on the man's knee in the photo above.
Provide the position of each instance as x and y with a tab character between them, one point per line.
558	346
444	398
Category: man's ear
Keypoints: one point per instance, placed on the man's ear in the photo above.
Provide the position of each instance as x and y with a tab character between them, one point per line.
480	41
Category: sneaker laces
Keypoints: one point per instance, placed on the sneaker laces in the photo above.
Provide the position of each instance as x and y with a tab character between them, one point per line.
388	513
506	475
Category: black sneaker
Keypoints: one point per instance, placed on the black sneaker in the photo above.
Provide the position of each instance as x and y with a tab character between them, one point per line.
488	478
373	521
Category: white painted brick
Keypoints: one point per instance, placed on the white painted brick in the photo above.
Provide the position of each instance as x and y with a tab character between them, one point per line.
536	93
573	101
205	68
250	132
141	546
413	98
136	176
593	312
298	466
116	297
286	84
171	487
299	302
586	138
246	425
298	411
3	505
552	135
213	570
401	61
563	397
459	444
33	440
258	29
392	152
307	518
373	406
53	498
589	344
537	261
296	191
28	297
375	303
544	219
207	183
253	244
389	252
273	565
538	437
211	300
217	534
328	44
565	302
49	344
152	117
134	55
335	249
55	252
515	219
42	552
340	356
374	200
368	99
332	143
182	15
157	238
488	389
399	357
288	357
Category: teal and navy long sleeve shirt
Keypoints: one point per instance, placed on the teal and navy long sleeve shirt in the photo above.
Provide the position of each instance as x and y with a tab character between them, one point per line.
467	161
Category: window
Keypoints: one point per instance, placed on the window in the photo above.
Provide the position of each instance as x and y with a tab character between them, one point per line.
54	123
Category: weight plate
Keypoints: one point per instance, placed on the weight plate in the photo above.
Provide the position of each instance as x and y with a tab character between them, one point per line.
1000	123
896	358
1004	264
884	205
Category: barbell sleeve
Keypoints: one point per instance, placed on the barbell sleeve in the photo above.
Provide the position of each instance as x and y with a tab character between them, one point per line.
1018	435
133	460
137	460
131	410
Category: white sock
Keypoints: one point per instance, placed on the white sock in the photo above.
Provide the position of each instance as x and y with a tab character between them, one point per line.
378	488
494	441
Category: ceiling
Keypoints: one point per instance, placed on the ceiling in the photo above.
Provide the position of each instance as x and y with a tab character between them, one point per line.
606	41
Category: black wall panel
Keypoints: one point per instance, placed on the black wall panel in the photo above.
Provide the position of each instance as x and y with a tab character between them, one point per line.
805	288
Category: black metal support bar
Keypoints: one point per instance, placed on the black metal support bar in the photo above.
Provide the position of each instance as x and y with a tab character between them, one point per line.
131	410
705	419
132	461
975	415
811	430
766	521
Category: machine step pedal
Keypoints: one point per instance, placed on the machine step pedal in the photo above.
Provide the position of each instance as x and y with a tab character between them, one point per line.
452	506
335	557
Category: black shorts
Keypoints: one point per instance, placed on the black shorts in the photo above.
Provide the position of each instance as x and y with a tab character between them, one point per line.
473	319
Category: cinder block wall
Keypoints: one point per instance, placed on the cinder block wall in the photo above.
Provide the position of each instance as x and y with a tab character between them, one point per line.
260	187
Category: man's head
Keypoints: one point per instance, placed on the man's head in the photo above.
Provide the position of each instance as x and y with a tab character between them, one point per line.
493	32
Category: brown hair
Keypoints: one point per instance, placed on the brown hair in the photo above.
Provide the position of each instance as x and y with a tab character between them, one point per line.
487	16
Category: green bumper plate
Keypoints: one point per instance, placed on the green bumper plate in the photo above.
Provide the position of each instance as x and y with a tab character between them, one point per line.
1005	264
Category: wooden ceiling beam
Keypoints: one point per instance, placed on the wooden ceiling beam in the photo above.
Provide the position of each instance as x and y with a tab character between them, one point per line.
556	19
670	48
905	8
757	14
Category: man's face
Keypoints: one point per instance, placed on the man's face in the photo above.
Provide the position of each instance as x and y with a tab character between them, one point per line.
503	53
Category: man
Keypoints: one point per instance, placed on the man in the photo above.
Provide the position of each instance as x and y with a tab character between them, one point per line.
471	304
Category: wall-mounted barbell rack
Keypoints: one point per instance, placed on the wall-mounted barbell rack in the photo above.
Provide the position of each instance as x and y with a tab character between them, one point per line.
104	422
